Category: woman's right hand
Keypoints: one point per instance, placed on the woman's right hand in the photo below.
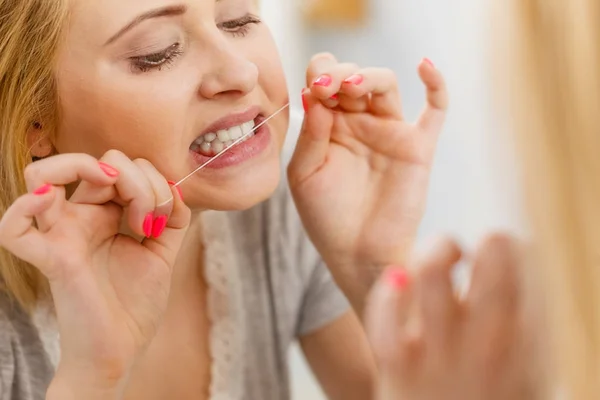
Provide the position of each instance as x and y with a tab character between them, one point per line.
109	290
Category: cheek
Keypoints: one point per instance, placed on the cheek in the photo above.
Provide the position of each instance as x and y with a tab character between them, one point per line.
272	82
131	115
271	75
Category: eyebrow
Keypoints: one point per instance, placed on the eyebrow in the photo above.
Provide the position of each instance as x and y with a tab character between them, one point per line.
170	11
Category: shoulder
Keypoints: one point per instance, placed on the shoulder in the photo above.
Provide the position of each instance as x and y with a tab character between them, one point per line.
25	368
7	361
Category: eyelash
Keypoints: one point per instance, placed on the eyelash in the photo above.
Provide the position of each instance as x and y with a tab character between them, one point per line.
240	27
157	61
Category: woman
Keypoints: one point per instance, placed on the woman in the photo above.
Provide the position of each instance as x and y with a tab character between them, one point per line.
554	91
153	297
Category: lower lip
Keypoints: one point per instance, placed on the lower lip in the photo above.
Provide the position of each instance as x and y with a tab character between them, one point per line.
239	153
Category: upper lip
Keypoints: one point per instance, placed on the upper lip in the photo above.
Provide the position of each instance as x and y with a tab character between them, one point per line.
233	119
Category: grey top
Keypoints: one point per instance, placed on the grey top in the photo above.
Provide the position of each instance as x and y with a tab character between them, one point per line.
267	286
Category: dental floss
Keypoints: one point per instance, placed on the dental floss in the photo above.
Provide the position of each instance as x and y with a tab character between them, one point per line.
230	146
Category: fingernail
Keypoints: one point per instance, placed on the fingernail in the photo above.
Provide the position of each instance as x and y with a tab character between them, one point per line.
42	190
108	170
354	79
304	101
179	192
397	278
323	80
159	226
148	223
335	97
428	61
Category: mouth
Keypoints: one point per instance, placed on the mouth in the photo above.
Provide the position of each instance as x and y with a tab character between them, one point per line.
223	133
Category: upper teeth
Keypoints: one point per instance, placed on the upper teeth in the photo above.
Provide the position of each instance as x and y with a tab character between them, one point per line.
217	141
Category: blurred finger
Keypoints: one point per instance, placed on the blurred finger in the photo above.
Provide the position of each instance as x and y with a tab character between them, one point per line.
494	279
396	348
437	301
387	314
493	300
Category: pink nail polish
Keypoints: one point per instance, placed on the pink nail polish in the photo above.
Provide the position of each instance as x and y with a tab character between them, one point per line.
179	192
397	278
108	170
42	190
148	222
304	101
428	61
355	79
159	226
335	97
323	80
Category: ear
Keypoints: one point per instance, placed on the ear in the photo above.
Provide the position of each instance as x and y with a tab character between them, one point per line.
38	141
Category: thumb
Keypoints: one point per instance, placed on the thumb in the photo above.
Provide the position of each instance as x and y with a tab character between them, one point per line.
168	244
313	144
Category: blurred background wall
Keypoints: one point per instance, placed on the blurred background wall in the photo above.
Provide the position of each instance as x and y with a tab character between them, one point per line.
473	181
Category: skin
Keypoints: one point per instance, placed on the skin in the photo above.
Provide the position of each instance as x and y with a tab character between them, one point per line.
431	343
356	143
157	114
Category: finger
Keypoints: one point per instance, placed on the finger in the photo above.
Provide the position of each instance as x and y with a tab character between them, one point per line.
433	116
493	298
397	348
329	82
387	315
17	233
168	244
62	170
318	65
313	143
382	86
438	304
494	281
134	191
163	194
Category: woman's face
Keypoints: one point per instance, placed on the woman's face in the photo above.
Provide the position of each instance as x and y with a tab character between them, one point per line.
159	79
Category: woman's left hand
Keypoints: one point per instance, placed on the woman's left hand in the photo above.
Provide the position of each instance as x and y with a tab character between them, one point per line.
360	172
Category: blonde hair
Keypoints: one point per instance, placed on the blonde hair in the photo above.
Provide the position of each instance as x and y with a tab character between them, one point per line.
554	88
30	33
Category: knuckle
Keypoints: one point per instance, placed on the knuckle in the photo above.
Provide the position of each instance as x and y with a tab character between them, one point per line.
499	240
144	163
114	154
347	67
443	250
31	172
325	55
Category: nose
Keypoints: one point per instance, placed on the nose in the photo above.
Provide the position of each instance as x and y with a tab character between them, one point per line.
230	74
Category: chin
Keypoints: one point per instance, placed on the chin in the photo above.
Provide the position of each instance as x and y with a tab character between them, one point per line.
238	192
